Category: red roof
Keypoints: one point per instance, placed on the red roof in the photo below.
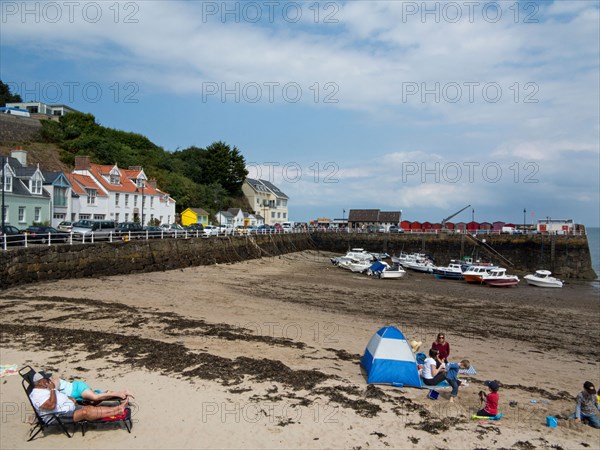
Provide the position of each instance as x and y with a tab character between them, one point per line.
126	179
82	182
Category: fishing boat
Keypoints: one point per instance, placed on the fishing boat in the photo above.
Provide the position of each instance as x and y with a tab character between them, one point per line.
452	272
475	274
498	278
543	278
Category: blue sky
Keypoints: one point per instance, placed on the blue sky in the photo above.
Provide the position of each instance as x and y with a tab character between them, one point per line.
422	107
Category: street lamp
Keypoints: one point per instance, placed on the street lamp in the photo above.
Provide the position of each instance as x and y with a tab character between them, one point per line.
137	190
473	215
524	219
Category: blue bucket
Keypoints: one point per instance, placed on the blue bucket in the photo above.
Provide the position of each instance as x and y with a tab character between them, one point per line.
551	421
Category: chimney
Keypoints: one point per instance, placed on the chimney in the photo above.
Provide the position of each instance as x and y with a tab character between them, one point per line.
152	182
20	155
135	167
82	163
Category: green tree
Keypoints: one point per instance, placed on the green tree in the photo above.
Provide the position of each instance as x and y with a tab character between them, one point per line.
6	96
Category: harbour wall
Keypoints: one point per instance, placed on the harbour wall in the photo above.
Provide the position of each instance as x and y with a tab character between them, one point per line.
566	256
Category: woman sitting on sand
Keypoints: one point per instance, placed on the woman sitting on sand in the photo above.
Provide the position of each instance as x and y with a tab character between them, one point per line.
80	390
432	374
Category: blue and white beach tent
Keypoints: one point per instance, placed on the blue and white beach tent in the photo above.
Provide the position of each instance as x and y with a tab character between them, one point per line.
389	359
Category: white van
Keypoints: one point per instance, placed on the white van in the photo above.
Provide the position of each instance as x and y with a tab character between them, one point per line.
287	227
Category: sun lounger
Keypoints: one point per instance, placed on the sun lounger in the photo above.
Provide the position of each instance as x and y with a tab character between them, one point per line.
47	420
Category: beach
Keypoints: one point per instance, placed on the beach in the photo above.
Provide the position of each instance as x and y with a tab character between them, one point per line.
265	354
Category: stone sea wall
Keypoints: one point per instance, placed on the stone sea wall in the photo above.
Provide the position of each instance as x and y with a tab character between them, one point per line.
566	256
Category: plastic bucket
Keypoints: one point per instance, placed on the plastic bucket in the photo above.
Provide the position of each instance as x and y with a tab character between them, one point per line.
433	394
551	421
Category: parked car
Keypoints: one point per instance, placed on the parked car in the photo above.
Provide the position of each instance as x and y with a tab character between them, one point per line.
264	229
396	229
133	230
278	228
252	229
65	226
211	230
43	234
287	227
12	234
173	229
195	227
100	229
241	229
155	232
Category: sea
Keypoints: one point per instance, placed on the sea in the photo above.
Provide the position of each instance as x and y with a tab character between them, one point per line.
594	243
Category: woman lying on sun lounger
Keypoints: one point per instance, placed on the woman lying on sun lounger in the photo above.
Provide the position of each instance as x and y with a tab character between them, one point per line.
80	390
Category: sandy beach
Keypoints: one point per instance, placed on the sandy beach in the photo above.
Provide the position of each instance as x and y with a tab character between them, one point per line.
265	354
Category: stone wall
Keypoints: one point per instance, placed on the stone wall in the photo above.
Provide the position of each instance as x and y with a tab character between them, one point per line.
40	263
566	256
19	130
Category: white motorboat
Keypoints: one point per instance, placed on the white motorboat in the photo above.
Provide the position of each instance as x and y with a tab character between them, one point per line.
419	264
499	278
356	254
452	272
359	266
543	278
383	270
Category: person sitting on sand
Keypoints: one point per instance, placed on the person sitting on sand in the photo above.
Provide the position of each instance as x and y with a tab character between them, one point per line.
442	347
587	405
491	399
433	373
80	390
452	376
47	400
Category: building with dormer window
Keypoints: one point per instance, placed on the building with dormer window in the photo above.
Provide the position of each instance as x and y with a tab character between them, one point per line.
25	200
267	200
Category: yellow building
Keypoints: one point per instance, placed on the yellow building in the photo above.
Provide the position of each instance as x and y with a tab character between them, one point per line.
194	215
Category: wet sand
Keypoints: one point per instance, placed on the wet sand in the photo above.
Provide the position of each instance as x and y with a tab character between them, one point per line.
266	354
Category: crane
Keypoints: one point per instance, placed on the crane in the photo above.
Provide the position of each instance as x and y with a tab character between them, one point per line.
450	217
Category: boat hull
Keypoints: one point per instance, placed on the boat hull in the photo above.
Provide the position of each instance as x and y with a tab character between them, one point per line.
443	274
501	283
544	284
473	279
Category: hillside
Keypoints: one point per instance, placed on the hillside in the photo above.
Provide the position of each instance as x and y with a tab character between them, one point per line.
195	177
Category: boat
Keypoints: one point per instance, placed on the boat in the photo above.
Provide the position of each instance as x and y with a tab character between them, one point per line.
383	270
419	265
475	274
543	278
452	272
359	266
356	254
498	278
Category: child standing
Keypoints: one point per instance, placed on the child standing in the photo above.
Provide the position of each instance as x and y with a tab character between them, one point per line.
452	376
491	399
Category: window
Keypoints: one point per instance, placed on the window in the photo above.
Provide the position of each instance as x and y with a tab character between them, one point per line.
272	215
114	178
84	216
126	201
126	217
279	215
117	199
278	203
135	200
91	196
98	216
37	216
21	214
60	196
283	202
59	216
6	220
151	202
140	183
117	217
284	215
8	182
36	185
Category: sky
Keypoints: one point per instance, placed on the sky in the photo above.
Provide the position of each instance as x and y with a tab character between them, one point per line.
423	107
